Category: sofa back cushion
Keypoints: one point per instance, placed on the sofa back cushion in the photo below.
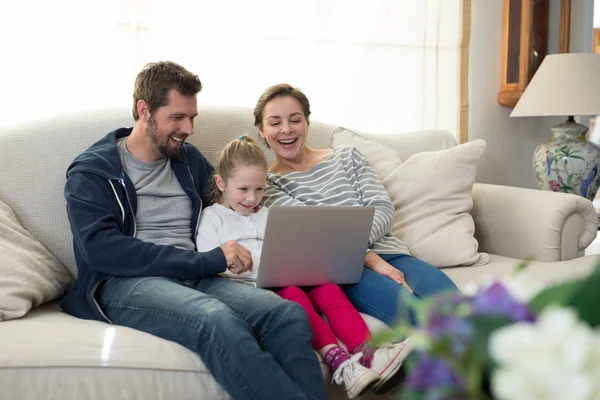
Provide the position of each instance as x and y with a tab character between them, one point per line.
33	161
430	191
217	126
406	144
431	194
34	158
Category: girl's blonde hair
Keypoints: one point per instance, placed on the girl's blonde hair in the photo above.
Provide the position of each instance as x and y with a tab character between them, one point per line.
243	151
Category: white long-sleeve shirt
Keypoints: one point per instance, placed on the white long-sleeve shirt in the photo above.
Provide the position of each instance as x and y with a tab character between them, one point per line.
219	225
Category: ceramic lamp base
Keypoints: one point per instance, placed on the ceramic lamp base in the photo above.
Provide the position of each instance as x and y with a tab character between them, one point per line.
568	162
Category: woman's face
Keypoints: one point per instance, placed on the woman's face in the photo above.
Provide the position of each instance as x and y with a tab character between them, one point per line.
284	127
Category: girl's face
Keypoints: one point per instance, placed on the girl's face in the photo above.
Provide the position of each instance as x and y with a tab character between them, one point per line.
284	127
244	189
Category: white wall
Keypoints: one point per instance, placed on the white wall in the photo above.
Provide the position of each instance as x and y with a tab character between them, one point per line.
511	141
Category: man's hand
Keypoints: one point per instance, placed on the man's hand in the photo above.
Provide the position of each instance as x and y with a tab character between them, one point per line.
239	258
377	264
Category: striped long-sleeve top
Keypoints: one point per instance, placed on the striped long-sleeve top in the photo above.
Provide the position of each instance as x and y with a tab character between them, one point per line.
343	179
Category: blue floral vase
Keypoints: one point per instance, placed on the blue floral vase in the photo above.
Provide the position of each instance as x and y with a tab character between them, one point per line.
568	162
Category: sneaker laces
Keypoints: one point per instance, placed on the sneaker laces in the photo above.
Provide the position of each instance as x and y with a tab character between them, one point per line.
346	368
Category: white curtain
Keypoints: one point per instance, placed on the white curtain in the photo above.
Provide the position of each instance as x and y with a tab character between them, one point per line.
373	65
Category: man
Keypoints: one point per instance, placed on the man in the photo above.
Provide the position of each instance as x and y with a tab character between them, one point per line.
134	199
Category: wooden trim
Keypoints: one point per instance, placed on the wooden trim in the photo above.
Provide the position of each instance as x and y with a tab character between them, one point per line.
505	88
525	49
510	93
597	40
509	98
564	34
505	42
463	118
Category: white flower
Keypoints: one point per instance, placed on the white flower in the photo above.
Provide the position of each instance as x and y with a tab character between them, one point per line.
556	358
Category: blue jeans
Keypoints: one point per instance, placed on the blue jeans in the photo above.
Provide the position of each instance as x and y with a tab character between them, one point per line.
383	298
256	344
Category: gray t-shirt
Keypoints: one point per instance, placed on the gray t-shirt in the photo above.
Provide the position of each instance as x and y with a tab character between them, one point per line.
164	210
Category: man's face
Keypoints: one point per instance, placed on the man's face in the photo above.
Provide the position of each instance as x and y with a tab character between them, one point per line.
170	125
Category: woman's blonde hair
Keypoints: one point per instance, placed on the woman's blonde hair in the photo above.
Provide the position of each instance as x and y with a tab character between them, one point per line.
243	151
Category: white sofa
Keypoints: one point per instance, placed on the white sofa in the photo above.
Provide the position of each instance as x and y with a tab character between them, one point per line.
49	354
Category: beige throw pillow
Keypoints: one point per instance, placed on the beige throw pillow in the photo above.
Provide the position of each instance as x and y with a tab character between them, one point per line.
431	193
29	274
382	159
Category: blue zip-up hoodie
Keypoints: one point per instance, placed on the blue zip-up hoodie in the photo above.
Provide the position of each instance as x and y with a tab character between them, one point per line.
101	203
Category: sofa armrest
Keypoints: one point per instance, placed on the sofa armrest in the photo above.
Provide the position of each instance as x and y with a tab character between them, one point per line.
532	224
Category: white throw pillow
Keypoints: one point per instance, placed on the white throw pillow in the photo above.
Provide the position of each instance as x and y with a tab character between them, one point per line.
382	159
431	193
29	274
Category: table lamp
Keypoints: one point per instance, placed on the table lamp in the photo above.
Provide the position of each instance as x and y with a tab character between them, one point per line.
568	85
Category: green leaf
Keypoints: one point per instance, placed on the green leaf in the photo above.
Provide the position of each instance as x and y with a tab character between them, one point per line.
441	347
587	298
474	373
582	295
521	266
484	326
411	394
560	295
411	362
397	333
407	304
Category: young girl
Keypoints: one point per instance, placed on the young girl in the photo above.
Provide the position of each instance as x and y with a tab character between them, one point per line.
236	215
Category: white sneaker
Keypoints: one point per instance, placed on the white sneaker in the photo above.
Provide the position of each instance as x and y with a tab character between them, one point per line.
387	363
355	377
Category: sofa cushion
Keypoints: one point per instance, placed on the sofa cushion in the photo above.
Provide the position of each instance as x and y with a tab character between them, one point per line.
536	272
382	159
29	274
49	351
431	193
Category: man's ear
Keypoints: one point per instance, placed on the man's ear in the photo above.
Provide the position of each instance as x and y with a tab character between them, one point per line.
143	110
220	183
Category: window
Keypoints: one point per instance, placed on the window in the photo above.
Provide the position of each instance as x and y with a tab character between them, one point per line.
374	65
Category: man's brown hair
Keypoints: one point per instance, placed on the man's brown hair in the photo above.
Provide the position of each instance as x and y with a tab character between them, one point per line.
155	80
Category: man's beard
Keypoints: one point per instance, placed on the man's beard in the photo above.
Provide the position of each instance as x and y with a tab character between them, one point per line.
161	146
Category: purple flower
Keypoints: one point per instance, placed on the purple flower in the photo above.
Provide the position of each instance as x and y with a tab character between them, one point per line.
458	331
448	302
497	300
432	373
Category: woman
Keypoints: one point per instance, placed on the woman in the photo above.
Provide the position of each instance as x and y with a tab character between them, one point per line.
341	176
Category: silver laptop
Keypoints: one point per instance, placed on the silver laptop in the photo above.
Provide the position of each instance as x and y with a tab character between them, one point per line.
313	245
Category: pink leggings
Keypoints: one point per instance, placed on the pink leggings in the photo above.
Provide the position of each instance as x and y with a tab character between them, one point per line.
329	299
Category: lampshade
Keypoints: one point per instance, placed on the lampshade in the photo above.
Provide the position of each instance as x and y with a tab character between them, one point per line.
564	84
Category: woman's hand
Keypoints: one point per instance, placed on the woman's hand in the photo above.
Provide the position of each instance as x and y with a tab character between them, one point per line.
239	258
377	264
